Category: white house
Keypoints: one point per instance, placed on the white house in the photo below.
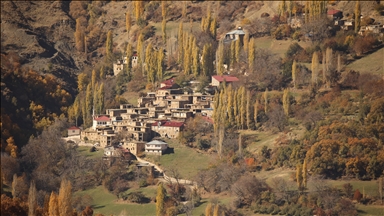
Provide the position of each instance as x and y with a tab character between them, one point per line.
101	121
73	131
156	147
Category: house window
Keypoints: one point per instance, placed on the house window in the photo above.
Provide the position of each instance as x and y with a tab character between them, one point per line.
73	131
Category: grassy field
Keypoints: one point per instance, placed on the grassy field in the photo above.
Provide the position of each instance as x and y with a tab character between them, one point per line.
186	160
278	47
369	210
85	151
372	63
131	97
370	187
105	203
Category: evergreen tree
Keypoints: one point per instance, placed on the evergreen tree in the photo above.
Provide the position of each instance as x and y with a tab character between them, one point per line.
160	200
357	16
294	70
109	45
64	198
314	67
32	203
53	205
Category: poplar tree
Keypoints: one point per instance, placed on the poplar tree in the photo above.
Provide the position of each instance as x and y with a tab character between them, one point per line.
248	110
32	203
338	63
216	210
246	42
129	54
251	54
64	198
328	60
286	102
160	64
109	45
230	103
357	16
294	74
101	98
213	28
88	102
53	209
305	177
232	58
93	80
220	58
140	52
256	111
180	42
102	72
160	200
235	107
266	101
323	64
314	67
139	9
207	60
150	67
237	51
299	176
163	30
79	36
184	10
195	59
76	109
243	108
128	21
208	210
240	110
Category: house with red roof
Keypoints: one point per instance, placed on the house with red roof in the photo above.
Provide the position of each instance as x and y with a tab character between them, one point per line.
101	121
168	129
334	14
74	131
169	83
218	79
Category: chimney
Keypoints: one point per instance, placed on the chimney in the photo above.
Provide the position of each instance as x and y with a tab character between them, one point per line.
239	28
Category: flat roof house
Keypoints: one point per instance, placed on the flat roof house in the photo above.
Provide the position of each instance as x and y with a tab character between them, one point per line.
156	147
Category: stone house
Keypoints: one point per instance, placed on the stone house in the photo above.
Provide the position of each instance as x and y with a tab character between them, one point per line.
168	129
74	131
118	67
135	147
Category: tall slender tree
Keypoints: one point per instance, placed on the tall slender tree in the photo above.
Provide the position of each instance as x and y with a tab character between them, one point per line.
294	71
65	198
314	67
128	21
53	209
248	110
160	200
32	203
109	45
357	16
251	54
160	64
220	58
256	111
79	36
180	43
305	177
266	101
286	103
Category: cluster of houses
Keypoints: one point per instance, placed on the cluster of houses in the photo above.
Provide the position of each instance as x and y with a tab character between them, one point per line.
159	114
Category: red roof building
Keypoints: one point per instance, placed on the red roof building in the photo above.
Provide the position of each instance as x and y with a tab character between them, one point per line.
217	80
334	14
74	131
167	84
102	118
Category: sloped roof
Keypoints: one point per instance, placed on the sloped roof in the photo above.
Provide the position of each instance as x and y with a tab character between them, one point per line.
73	128
236	32
103	118
168	123
226	77
157	142
333	12
169	82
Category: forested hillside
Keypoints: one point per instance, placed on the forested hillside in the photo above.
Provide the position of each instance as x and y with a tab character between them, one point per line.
309	104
